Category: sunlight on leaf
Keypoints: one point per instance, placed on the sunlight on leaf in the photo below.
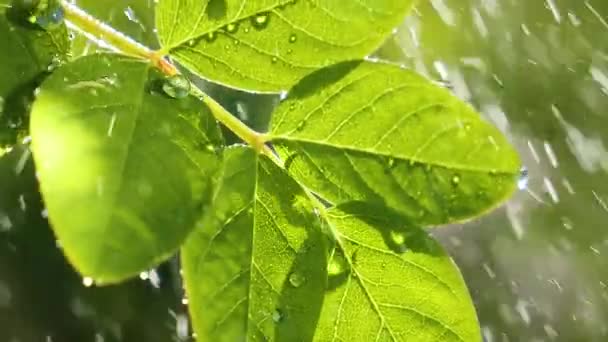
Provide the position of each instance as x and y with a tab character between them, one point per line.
255	269
125	170
378	133
268	45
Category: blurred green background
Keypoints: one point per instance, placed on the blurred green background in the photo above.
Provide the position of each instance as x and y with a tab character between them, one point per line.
537	69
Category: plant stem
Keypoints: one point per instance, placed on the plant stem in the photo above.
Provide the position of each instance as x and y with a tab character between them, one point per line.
103	33
100	32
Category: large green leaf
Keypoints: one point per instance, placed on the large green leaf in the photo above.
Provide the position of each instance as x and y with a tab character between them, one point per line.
390	282
125	171
268	45
28	52
255	270
378	133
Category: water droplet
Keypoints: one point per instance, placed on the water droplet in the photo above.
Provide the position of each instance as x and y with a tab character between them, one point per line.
54	64
293	38
301	125
337	265
522	181
289	51
191	42
274	60
232	27
456	180
260	21
211	36
176	86
87	281
391	162
46	14
398	239
296	279
277	316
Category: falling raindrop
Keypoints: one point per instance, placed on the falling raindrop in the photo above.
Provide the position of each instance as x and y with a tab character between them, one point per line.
296	279
177	86
522	181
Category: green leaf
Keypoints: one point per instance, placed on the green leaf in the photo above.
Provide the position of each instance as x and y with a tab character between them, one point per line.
28	52
268	45
125	171
378	133
255	270
390	282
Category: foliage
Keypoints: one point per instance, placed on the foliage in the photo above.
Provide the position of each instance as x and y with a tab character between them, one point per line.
325	240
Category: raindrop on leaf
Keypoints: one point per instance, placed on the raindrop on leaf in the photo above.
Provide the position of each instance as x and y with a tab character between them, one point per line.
399	240
337	265
211	36
277	316
232	27
87	281
293	38
296	279
260	21
45	13
456	180
522	181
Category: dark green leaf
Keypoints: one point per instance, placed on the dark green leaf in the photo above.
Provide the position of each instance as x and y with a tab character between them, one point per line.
255	270
268	45
378	133
124	169
28	52
390	282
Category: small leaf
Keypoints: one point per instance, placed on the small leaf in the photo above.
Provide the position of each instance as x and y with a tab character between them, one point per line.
397	284
268	45
255	270
378	133
125	170
28	53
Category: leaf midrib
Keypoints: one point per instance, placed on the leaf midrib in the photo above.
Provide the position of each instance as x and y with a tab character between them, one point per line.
137	104
375	153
